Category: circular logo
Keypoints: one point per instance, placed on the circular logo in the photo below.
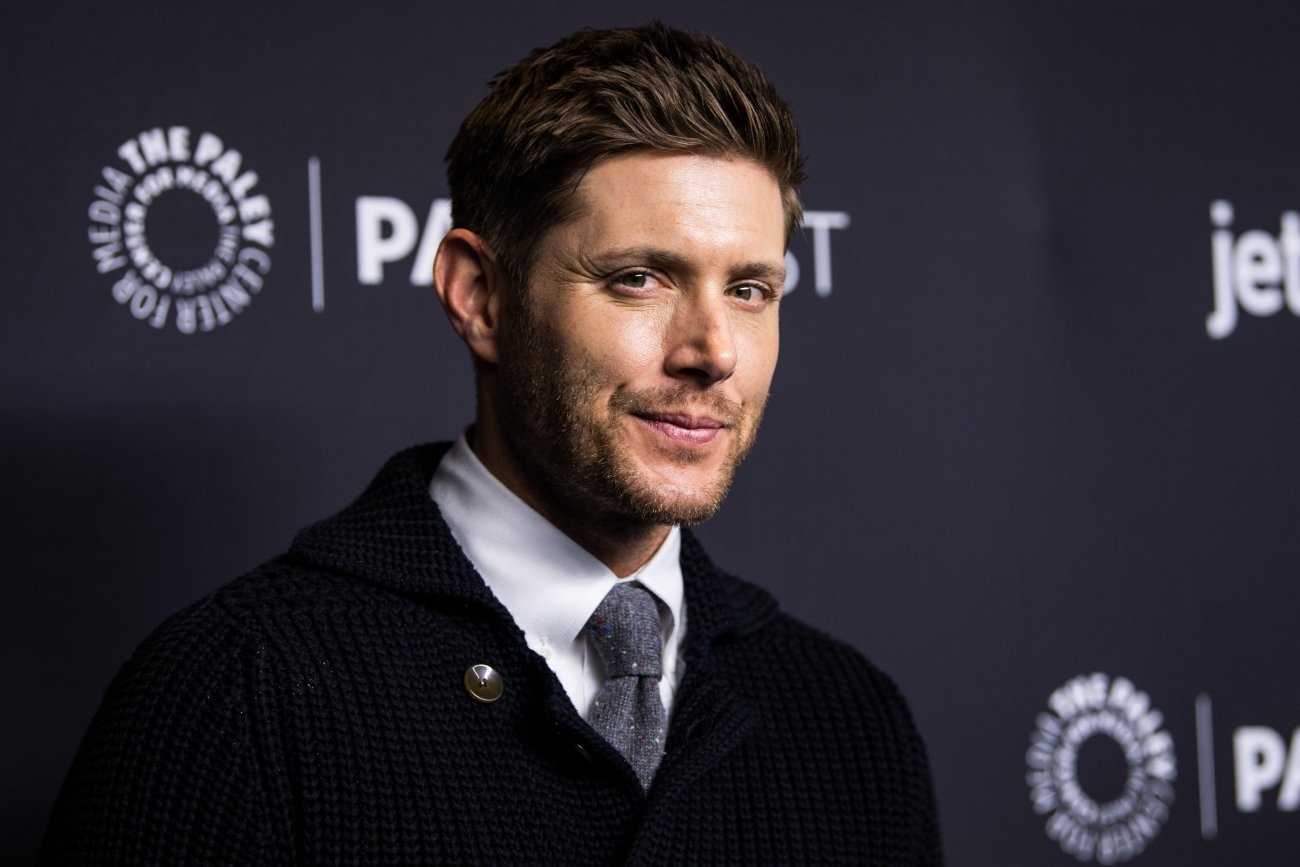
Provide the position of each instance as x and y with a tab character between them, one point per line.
178	223
1090	712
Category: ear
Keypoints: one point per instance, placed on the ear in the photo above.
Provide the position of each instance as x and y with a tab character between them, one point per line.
469	281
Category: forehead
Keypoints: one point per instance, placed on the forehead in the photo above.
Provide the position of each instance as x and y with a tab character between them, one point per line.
686	199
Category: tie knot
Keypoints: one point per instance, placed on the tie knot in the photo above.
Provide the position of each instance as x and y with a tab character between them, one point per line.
626	632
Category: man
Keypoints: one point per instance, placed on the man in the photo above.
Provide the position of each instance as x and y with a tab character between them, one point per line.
507	650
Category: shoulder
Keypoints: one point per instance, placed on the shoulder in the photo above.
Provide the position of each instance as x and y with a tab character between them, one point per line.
174	757
258	629
803	666
239	613
203	661
834	722
809	668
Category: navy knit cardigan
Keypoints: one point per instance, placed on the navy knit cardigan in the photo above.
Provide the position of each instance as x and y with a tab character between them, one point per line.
314	712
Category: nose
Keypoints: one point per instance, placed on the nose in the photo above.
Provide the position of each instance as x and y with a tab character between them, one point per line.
701	341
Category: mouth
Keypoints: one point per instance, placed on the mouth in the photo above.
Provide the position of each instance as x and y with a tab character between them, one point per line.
683	428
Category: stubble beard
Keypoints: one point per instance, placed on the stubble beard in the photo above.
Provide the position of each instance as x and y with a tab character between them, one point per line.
571	448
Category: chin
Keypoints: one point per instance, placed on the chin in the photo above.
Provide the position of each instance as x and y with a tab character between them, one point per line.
662	500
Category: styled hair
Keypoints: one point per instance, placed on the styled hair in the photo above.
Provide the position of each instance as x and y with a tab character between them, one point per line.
518	158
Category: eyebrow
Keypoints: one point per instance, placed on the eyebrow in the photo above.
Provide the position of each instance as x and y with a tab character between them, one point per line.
669	260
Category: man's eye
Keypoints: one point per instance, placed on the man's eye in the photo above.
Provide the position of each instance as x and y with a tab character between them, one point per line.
748	292
635	279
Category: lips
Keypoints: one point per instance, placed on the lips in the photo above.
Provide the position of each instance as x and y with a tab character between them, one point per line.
682	420
683	428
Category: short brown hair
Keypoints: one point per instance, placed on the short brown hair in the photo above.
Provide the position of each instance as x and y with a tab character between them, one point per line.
521	153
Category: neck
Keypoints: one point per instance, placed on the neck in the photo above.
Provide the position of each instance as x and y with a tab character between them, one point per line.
623	544
624	548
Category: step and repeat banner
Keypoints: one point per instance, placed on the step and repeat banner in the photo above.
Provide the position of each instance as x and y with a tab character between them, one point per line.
1032	445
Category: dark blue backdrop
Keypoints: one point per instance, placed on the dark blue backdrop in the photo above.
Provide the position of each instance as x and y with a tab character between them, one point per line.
1004	449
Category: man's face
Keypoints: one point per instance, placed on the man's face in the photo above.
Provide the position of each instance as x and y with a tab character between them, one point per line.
635	365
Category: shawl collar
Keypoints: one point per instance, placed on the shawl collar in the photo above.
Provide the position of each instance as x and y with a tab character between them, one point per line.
394	536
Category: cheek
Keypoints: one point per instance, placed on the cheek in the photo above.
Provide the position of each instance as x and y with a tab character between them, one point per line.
623	347
757	354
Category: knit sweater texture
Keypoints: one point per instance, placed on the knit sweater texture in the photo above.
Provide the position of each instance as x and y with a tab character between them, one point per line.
314	712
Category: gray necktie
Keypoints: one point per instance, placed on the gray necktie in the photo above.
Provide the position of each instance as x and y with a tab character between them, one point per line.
628	712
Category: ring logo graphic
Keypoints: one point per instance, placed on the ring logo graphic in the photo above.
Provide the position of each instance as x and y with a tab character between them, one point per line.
177	221
1093	711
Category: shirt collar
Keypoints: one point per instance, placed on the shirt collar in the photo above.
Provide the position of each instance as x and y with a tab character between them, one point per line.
548	583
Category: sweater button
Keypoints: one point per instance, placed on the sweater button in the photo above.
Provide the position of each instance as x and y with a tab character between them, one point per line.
484	683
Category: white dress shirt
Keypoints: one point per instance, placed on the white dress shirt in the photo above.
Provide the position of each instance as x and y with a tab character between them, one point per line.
549	583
